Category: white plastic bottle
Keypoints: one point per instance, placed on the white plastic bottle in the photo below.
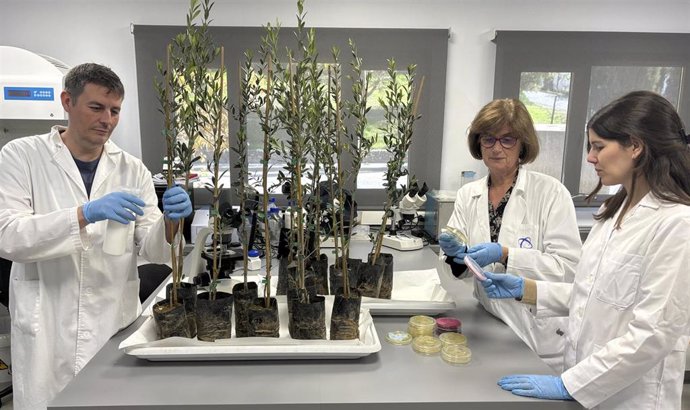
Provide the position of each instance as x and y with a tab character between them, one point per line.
272	204
253	260
117	235
274	225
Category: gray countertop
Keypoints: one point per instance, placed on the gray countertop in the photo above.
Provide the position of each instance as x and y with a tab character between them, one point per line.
394	378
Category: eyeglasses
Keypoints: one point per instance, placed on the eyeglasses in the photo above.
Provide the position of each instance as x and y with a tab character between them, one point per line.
489	141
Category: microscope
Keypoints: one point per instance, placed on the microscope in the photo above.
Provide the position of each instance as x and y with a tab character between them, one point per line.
406	212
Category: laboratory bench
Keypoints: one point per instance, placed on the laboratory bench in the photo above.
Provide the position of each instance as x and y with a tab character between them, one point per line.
394	378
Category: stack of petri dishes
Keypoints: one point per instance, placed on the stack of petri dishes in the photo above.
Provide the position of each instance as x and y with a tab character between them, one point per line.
456	354
426	345
453	339
421	326
430	336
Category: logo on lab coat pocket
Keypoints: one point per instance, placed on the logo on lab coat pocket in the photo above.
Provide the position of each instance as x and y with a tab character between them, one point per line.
525	242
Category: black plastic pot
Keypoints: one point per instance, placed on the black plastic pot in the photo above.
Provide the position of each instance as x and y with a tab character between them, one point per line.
214	317
370	278
318	270
335	277
170	320
308	318
187	294
263	321
243	296
285	281
302	294
345	317
386	260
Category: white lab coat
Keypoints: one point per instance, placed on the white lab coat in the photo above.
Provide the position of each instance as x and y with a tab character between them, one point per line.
540	229
67	297
629	310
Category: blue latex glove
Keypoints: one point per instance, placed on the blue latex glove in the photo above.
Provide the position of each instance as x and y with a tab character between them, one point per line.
486	253
117	206
451	246
503	285
176	203
533	385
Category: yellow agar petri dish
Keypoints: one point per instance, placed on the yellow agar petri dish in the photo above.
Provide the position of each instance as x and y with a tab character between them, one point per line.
453	339
399	338
426	345
421	326
456	354
457	233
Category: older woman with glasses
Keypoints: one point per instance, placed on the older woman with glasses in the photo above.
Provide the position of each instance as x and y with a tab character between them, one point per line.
513	219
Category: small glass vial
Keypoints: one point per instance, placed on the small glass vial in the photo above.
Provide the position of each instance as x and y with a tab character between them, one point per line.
448	325
253	260
421	326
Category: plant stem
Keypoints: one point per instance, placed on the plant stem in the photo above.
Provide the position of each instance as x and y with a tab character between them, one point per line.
266	158
217	108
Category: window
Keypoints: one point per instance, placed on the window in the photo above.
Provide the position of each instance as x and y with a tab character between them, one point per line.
546	97
255	149
255	142
425	47
608	83
564	77
204	149
373	172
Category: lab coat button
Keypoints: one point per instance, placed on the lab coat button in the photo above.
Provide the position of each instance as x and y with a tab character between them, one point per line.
88	291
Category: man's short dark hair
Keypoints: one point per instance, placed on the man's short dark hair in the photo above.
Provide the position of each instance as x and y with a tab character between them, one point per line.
77	78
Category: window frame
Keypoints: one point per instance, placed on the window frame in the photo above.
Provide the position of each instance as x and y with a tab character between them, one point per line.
577	53
427	48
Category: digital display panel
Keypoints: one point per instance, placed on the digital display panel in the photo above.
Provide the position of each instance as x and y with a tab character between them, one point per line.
19	93
29	93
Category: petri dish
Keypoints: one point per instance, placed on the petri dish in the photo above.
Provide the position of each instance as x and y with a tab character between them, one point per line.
448	324
450	339
456	354
426	345
399	338
421	326
457	233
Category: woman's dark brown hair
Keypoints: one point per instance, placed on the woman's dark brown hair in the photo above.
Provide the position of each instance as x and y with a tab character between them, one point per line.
648	119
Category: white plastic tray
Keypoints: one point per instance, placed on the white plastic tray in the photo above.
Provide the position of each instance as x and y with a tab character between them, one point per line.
414	292
144	343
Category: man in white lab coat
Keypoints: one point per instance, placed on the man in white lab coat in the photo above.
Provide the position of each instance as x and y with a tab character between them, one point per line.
629	306
514	219
60	189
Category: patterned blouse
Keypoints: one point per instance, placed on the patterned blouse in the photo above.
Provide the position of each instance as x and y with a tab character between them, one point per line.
495	220
496	214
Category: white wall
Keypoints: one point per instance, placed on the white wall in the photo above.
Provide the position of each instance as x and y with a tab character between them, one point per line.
77	31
